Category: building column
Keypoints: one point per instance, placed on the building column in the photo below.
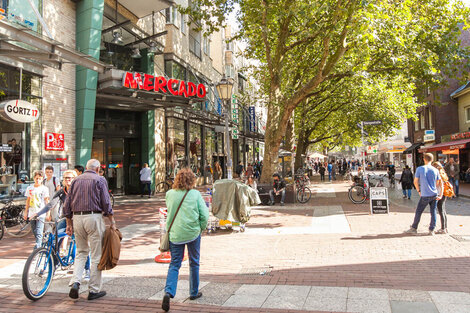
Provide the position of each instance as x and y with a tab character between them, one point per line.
88	38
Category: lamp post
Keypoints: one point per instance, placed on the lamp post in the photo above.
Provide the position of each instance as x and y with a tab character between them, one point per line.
224	88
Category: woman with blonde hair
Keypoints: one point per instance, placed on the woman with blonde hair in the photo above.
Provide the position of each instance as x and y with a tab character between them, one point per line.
218	171
186	219
441	204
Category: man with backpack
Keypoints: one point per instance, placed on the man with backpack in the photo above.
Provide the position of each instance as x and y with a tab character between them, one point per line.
53	184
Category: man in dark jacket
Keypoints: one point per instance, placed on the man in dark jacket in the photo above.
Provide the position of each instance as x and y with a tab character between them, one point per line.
406	181
279	188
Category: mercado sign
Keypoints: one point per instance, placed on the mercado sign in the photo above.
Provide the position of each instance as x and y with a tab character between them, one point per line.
161	84
19	111
235	117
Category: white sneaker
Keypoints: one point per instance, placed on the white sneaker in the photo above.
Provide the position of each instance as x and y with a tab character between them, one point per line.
431	233
412	231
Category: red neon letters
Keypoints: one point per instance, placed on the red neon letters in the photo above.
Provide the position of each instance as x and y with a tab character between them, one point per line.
160	84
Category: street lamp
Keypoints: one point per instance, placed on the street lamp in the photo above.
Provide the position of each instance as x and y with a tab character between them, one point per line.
224	89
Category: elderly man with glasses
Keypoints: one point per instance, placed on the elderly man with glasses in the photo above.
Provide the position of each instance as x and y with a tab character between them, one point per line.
88	201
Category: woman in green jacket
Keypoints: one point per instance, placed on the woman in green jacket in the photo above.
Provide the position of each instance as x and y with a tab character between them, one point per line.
186	230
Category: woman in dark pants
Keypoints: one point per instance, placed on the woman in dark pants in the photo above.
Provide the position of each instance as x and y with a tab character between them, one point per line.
406	181
441	204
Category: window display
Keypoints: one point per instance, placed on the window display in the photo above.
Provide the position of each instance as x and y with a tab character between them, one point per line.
210	151
176	156
195	148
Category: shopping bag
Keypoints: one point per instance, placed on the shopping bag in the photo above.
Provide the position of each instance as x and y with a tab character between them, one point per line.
165	243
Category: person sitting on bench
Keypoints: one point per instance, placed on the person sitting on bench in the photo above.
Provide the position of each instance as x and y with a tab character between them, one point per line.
279	188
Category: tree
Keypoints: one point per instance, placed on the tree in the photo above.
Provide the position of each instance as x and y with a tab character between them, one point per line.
303	44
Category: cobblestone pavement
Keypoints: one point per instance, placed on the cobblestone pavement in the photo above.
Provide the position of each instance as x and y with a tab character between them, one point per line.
327	255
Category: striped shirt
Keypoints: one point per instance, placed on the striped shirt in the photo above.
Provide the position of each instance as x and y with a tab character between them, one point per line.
88	192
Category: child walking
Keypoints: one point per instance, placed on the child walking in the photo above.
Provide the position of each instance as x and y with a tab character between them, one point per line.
37	198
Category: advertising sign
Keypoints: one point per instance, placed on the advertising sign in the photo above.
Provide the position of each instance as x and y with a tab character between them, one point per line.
5	148
234	117
251	111
429	135
19	111
54	142
379	200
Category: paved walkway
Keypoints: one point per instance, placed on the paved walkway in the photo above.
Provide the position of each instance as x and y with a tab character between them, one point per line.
327	255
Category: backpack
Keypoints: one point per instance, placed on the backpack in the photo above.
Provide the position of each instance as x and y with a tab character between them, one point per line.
54	182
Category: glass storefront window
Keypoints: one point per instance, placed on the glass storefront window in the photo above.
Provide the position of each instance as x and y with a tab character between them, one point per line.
176	156
210	151
249	157
220	143
195	148
21	12
15	152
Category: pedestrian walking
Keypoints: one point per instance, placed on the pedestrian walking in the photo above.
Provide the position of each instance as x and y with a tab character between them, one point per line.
334	170
37	198
53	185
452	169
146	179
406	181
88	201
188	214
249	170
330	169
427	180
239	169
217	171
441	204
322	170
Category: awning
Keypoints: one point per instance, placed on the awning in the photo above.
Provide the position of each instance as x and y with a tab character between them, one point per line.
396	150
25	48
413	147
451	145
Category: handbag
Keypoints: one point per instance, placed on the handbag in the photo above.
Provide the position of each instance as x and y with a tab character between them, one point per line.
165	241
448	190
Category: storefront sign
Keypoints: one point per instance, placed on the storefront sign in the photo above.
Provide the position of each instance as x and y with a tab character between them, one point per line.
235	117
19	111
5	148
372	149
161	84
379	200
429	135
54	142
252	112
464	135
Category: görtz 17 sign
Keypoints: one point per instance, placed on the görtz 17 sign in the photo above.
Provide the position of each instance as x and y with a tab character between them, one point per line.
161	84
54	142
19	111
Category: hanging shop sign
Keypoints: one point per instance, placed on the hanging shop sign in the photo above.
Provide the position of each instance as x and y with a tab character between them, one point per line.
429	135
379	200
235	117
54	142
5	148
19	111
160	84
251	111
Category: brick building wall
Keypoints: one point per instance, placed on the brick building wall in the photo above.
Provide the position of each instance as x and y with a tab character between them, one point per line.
58	105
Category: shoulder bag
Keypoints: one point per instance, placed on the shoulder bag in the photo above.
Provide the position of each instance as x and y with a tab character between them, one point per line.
165	241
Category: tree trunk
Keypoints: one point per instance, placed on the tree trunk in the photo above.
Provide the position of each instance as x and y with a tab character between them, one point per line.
272	143
290	136
302	146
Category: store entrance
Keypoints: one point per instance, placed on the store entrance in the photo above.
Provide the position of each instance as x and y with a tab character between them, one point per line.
120	159
117	145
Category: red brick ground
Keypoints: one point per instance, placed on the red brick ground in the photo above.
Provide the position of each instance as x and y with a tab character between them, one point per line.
15	301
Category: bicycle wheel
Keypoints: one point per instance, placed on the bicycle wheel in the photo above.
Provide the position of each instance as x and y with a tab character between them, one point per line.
66	251
304	194
18	228
357	194
37	274
162	187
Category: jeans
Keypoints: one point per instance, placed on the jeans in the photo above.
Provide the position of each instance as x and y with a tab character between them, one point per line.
37	226
322	177
441	208
177	254
405	191
283	195
143	184
423	202
329	176
455	183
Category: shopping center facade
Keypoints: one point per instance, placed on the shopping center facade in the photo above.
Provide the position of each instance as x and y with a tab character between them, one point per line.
139	86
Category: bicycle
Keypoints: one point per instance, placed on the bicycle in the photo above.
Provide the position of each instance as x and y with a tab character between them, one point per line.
165	185
303	192
359	191
41	265
12	220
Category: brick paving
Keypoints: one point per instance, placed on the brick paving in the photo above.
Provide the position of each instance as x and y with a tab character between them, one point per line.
376	254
